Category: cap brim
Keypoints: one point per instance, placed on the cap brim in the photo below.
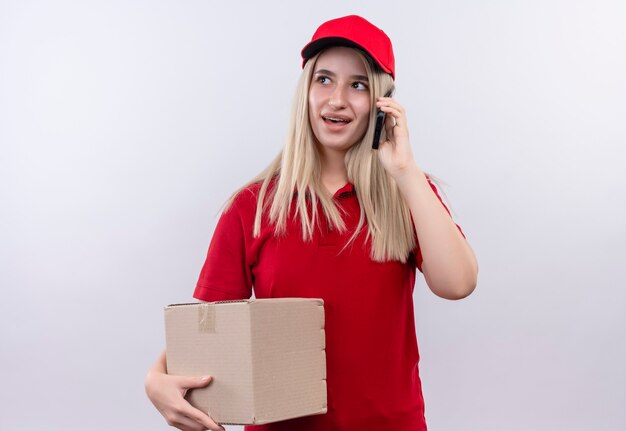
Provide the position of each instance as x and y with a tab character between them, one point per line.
320	44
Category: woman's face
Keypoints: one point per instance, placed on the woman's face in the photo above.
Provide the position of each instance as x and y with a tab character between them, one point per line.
339	100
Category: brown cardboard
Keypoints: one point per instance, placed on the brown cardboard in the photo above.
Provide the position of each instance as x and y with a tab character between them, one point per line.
266	357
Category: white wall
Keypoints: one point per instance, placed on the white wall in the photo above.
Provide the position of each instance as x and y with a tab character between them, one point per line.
124	125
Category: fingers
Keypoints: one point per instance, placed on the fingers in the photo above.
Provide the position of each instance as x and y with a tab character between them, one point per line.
194	382
167	394
205	420
395	113
395	152
395	122
187	418
185	424
390	123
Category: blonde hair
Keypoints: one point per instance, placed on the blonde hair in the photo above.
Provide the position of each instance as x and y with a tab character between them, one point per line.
298	168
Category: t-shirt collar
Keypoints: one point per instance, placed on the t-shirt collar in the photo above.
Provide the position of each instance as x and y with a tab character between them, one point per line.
348	189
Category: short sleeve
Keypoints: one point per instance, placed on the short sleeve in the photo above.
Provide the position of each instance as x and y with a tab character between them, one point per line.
418	252
226	274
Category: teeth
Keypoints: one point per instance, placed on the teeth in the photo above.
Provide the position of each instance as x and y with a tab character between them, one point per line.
336	120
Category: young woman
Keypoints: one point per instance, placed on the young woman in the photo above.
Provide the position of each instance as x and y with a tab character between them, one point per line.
332	218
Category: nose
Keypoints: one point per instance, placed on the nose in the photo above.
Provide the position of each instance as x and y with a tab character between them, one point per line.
337	98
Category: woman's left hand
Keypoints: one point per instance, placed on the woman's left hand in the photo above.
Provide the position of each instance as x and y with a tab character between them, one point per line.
395	152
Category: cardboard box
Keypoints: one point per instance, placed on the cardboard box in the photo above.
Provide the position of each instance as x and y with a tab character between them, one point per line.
266	357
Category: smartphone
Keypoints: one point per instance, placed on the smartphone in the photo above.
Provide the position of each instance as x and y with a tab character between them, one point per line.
380	123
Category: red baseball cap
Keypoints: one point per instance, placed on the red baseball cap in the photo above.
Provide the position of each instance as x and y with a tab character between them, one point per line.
357	32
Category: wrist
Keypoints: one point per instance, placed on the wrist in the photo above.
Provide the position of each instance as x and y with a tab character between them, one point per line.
159	368
408	175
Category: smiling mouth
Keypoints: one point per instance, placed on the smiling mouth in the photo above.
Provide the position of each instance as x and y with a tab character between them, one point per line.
335	120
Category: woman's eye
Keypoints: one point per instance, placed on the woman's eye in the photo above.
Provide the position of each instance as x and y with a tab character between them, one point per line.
359	85
323	79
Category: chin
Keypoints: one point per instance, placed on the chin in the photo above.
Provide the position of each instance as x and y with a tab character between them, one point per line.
336	146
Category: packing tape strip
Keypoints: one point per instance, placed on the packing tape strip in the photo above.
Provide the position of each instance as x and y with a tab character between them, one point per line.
206	318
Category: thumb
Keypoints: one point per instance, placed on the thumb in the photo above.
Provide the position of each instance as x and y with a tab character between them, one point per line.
195	382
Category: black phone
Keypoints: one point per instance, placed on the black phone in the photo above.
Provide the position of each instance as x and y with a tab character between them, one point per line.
380	123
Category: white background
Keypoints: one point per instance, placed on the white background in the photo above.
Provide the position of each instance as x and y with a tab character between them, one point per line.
125	125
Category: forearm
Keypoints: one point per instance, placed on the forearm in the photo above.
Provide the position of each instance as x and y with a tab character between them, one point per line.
449	264
160	366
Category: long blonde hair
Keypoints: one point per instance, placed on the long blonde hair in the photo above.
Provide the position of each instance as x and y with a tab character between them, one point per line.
298	168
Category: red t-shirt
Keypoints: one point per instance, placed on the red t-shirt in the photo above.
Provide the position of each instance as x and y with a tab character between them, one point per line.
371	348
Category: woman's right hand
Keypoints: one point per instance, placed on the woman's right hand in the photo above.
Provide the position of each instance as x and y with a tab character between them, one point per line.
167	393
